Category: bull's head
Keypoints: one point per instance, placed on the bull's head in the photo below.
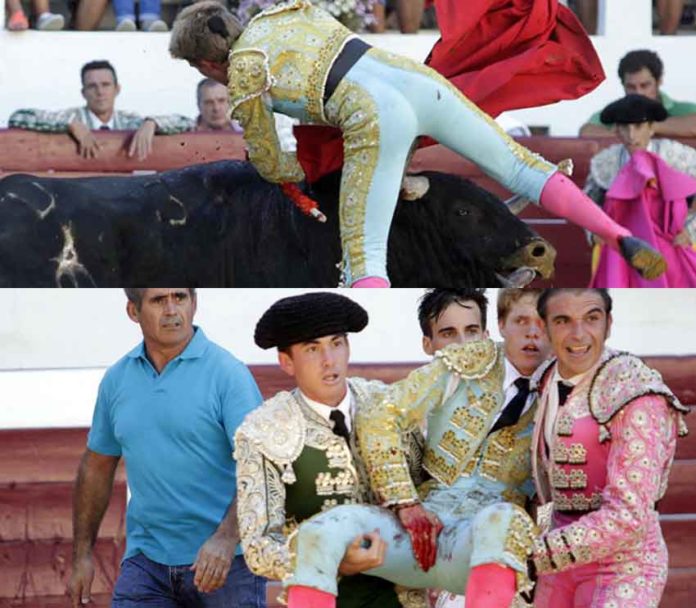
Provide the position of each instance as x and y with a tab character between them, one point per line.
461	234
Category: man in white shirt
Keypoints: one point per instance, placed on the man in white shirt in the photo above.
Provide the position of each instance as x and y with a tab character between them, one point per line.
602	450
451	316
100	87
297	453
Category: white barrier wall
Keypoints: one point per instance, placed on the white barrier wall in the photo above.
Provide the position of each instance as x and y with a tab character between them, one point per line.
40	69
54	344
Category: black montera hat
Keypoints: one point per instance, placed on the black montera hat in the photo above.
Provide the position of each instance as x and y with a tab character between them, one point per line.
633	109
307	317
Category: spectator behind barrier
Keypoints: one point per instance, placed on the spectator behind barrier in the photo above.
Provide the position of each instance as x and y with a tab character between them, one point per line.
100	88
45	20
214	107
661	208
641	72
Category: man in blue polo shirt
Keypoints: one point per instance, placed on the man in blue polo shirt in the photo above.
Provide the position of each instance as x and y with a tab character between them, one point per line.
170	407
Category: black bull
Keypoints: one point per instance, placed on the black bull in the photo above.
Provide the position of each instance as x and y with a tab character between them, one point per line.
221	225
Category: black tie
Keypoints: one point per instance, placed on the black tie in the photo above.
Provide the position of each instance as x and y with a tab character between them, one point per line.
105	128
513	410
339	427
563	391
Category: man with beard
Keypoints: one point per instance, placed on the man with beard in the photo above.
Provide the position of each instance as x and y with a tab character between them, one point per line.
477	452
602	450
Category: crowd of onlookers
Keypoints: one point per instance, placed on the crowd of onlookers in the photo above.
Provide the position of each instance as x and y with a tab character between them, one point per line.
407	16
376	16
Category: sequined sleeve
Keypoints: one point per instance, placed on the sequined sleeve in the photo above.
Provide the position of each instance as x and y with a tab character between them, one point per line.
249	86
643	444
44	120
261	512
382	425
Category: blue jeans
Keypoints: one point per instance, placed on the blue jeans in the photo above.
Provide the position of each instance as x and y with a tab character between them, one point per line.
149	9
143	582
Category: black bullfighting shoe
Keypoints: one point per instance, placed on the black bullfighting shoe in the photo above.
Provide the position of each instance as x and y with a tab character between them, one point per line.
647	261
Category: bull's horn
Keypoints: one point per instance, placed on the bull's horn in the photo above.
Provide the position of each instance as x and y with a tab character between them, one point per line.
414	187
516	204
521	277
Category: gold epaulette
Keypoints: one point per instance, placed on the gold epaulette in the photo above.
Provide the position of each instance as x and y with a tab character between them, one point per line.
281	7
623	378
471	359
278	429
249	76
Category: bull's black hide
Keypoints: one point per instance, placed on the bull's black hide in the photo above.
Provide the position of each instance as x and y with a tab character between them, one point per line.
220	224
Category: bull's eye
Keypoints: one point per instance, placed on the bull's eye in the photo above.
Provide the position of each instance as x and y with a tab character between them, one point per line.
462	212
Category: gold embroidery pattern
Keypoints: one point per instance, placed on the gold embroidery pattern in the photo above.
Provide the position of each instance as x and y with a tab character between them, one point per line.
248	76
622	378
541	556
327	484
317	78
407	404
273	163
497	452
519	545
472	424
472	360
261	512
411	598
277	429
564	424
317	39
439	468
514	496
266	444
353	109
578	479
281	7
330	503
577	502
479	361
453	446
559	479
577	454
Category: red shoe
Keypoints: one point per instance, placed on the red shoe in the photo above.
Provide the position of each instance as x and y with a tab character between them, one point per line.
18	22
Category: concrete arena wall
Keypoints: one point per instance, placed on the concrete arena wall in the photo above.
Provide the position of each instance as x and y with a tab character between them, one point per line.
40	69
56	343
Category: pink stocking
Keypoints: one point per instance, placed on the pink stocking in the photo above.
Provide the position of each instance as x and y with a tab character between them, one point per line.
490	586
374	282
563	198
300	596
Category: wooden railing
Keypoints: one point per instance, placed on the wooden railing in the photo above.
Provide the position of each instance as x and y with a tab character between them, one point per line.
38	467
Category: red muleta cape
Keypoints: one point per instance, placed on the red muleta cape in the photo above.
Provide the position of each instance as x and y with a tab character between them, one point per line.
502	54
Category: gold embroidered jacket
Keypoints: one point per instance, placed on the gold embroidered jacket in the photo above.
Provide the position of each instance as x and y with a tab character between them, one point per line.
272	447
281	61
459	394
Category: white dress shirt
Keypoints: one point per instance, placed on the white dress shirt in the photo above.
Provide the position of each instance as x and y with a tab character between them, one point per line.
552	404
510	390
345	407
97	121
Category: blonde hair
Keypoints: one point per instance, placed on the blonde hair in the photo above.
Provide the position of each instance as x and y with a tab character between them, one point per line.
508	297
194	38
